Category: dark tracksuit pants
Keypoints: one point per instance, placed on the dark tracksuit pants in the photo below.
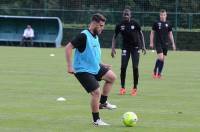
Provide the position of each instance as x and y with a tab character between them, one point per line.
126	53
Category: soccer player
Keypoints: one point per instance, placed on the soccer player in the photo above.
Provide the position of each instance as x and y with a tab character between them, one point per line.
133	41
161	33
88	68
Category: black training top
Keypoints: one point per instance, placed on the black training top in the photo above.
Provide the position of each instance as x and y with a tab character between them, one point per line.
79	41
130	32
162	30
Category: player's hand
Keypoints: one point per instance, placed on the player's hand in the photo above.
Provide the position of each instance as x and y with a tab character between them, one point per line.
151	45
113	52
70	70
144	51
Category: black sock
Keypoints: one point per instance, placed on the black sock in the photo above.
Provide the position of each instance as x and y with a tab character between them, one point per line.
103	99
156	66
160	67
136	77
95	116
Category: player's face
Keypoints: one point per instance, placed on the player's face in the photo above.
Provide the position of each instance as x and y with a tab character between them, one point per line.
99	26
163	16
126	16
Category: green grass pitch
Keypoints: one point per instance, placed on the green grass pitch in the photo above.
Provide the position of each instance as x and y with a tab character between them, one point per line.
31	81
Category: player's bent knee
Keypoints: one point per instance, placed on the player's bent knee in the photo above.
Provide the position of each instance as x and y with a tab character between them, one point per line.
112	76
96	92
109	77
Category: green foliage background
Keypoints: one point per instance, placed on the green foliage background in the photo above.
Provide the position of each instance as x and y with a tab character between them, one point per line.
182	13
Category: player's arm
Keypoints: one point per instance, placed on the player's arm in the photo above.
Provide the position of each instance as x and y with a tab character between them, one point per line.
79	42
68	53
143	43
152	34
113	52
171	37
141	38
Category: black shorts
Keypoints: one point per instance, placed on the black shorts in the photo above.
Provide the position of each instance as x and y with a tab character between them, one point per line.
163	50
90	81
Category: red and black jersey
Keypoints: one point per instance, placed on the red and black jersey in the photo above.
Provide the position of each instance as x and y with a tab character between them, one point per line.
130	32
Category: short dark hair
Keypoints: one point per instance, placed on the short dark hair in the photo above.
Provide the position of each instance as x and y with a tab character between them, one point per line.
126	10
162	10
98	17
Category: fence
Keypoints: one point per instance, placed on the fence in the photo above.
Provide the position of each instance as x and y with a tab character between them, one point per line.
183	14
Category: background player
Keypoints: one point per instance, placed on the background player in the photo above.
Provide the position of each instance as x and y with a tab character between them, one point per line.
133	41
161	33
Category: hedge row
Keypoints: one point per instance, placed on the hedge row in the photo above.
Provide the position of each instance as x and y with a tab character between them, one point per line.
184	40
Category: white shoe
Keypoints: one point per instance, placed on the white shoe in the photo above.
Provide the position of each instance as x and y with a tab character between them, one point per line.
107	105
99	122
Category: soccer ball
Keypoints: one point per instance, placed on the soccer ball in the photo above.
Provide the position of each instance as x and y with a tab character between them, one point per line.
129	119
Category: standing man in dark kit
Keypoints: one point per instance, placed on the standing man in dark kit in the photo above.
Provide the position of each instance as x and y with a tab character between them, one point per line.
133	41
161	33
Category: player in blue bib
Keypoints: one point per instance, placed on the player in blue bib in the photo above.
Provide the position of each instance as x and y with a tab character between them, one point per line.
88	69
